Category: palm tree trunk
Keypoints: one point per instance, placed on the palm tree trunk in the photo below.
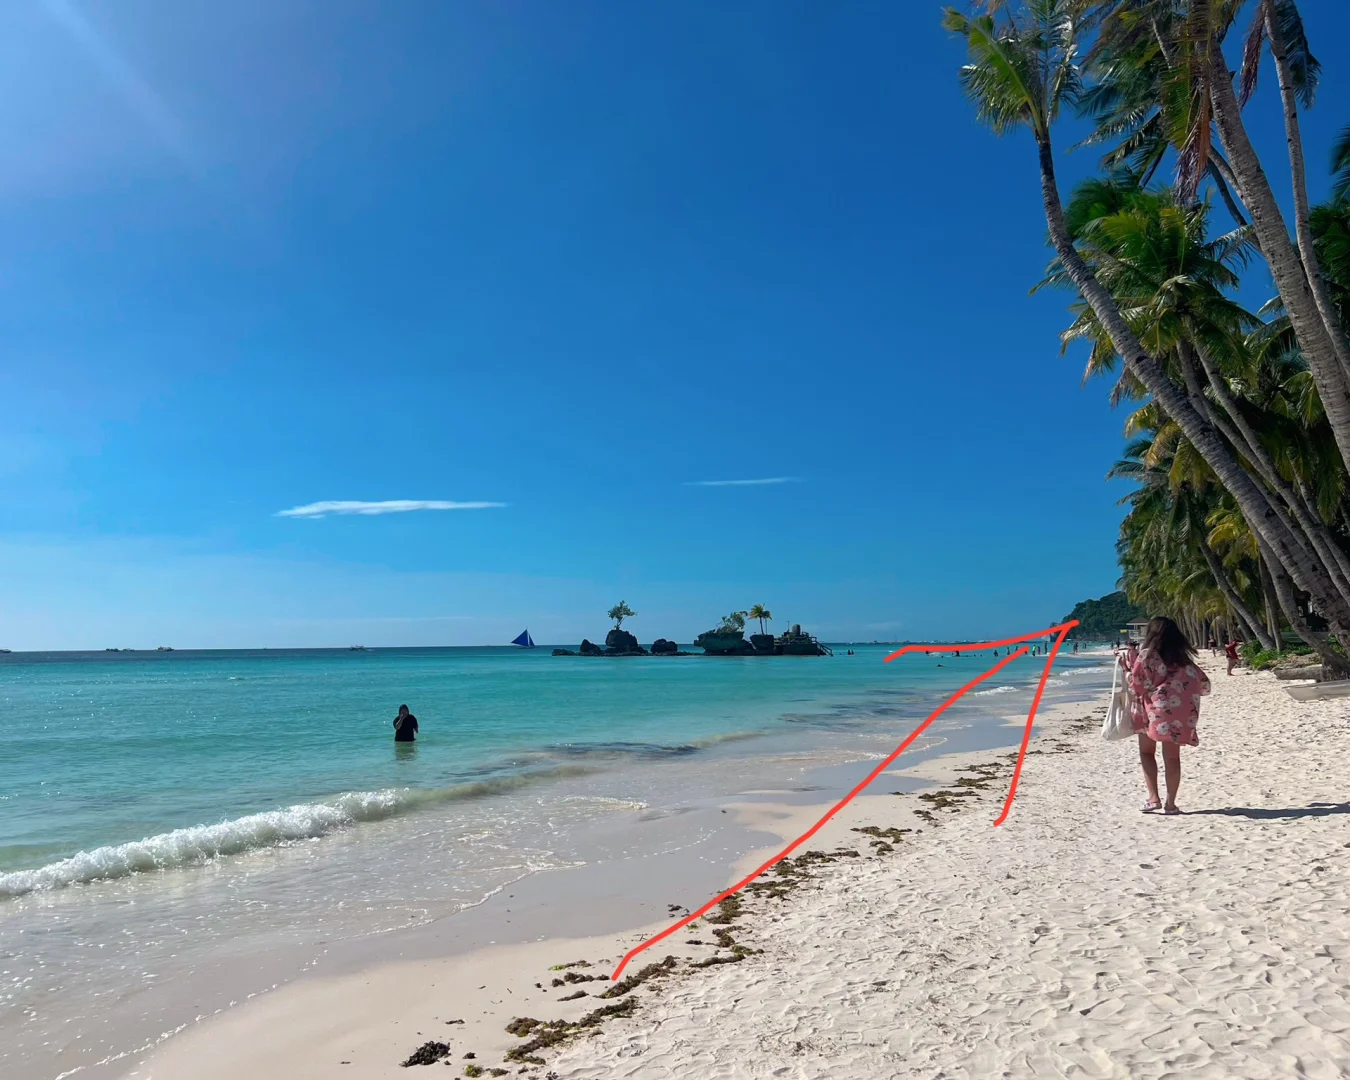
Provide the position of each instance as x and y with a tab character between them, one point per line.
1245	630
1299	174
1286	267
1310	522
1333	664
1312	577
1268	595
1226	194
1231	594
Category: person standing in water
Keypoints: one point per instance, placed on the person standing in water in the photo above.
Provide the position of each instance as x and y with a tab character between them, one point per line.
405	725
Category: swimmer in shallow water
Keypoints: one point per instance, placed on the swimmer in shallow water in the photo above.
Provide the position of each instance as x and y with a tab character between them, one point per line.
405	725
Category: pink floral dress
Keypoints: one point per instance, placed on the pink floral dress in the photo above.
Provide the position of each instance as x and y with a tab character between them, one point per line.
1167	700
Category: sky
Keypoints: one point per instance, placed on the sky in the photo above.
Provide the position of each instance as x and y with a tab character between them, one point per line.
544	279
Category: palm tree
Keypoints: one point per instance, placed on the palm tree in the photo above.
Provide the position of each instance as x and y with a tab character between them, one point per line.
1152	254
760	612
1168	560
619	612
1162	78
1023	69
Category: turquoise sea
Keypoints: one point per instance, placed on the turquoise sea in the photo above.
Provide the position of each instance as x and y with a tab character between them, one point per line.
162	811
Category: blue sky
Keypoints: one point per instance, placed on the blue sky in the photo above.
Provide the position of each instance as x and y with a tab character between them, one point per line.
570	258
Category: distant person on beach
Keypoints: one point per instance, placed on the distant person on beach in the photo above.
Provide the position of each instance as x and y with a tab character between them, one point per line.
1166	687
405	725
1213	647
1231	651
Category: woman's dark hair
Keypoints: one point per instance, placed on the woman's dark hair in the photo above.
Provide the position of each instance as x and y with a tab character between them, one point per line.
1165	638
402	709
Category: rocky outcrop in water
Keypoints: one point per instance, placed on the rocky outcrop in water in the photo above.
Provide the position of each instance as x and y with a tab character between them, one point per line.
724	642
622	643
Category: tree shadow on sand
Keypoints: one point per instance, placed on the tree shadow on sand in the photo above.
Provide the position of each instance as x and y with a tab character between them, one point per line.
1317	809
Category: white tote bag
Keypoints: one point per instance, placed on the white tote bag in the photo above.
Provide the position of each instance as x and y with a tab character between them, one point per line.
1118	724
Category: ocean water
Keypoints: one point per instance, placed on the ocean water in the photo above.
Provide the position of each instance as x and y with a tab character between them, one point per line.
160	812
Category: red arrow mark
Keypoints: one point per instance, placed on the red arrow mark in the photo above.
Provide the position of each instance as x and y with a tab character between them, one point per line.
1062	629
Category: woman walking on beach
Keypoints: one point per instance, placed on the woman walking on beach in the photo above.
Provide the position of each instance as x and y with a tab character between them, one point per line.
1167	687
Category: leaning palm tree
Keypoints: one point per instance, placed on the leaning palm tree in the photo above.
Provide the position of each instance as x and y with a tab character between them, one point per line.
1024	67
760	612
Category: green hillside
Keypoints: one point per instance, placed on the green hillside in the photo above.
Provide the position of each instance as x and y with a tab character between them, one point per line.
1102	620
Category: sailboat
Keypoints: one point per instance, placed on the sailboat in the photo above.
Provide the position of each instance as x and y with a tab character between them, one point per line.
524	641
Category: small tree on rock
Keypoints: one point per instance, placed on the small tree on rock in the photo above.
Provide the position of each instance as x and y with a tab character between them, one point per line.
760	612
619	612
732	623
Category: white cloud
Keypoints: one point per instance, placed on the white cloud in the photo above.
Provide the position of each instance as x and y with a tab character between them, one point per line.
371	509
744	483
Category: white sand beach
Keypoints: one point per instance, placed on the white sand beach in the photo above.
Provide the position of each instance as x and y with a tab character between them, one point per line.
1080	939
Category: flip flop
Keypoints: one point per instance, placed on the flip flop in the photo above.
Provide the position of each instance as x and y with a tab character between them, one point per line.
1149	807
1176	810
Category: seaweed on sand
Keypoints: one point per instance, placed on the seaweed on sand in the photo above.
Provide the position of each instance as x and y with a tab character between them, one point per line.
427	1054
943	800
550	1033
729	910
738	953
884	839
630	983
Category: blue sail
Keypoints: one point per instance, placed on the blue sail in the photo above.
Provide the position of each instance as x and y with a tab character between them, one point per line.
524	641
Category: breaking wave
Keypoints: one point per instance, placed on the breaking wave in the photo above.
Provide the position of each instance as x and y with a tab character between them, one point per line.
200	844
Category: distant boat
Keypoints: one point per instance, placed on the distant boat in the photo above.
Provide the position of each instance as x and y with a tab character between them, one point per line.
524	641
357	648
165	648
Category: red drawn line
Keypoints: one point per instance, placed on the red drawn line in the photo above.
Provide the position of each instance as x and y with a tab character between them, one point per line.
1026	732
881	767
1063	629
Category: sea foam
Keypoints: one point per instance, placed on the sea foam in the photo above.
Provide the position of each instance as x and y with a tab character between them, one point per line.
200	844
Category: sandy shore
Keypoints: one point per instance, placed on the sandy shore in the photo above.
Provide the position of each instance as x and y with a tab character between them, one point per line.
1082	938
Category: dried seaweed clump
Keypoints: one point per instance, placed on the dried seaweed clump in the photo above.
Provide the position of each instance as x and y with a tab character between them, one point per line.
729	910
575	977
630	983
738	953
427	1054
551	1032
